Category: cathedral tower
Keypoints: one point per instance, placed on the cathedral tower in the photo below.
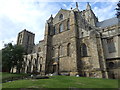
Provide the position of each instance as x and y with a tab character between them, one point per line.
90	16
26	39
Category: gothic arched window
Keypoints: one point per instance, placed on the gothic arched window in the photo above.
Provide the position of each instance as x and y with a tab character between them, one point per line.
60	50
29	70
61	17
54	32
39	66
83	50
61	27
68	50
68	25
82	34
111	45
53	52
36	62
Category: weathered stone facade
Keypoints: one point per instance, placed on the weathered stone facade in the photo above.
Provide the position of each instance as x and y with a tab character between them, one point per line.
75	42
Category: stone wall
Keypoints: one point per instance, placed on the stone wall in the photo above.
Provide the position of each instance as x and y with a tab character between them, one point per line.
63	52
26	39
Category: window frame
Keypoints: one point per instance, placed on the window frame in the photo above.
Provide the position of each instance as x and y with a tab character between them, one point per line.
84	50
68	24
69	49
61	28
61	17
111	45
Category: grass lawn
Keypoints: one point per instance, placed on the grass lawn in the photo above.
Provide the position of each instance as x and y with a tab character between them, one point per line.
63	82
9	75
6	76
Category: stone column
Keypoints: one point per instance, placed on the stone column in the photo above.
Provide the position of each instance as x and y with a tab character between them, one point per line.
101	57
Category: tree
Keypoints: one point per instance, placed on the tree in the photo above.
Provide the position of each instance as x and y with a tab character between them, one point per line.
18	52
0	60
7	57
118	10
12	56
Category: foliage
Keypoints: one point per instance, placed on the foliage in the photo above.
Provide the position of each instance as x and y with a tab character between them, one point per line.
63	82
12	56
0	60
118	9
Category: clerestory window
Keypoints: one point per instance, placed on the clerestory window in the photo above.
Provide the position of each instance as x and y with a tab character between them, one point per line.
83	50
61	28
111	45
68	25
68	50
61	17
55	31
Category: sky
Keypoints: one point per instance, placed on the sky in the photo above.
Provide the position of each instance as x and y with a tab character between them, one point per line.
17	15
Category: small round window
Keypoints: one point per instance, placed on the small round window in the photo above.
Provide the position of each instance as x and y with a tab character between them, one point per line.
60	17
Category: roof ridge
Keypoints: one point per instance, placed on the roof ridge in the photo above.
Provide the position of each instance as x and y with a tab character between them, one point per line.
107	19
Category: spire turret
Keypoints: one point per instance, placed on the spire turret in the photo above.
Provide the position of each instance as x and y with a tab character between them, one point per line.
51	16
76	9
50	19
76	5
88	6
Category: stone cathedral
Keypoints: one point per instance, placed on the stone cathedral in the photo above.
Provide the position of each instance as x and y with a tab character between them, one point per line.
75	43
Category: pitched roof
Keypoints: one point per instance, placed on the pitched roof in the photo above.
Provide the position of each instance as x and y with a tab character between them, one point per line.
107	23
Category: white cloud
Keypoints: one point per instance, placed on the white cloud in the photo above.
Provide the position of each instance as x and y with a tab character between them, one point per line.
78	0
105	10
16	15
65	5
10	40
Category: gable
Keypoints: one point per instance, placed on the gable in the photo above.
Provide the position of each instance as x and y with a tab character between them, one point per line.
65	13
